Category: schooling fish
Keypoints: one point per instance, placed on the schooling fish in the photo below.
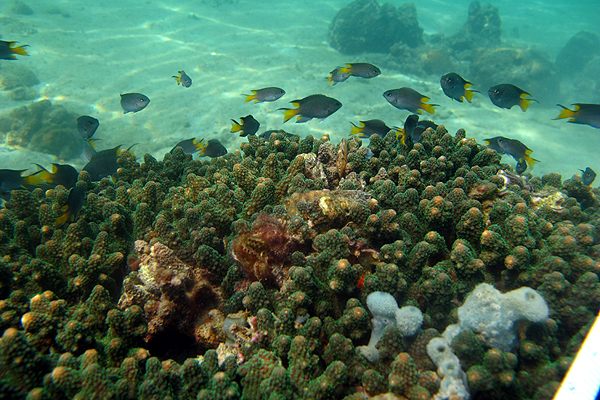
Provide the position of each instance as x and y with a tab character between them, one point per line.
507	95
249	126
72	207
313	106
183	79
517	150
189	146
265	94
212	149
62	174
588	176
337	76
370	127
455	87
103	163
133	102
587	114
409	99
86	126
362	70
7	51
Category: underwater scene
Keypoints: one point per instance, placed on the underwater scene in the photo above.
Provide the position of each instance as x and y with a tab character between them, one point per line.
270	200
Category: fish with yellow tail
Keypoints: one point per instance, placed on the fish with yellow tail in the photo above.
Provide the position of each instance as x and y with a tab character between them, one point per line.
8	51
183	79
586	114
409	99
313	106
507	96
455	87
265	94
72	207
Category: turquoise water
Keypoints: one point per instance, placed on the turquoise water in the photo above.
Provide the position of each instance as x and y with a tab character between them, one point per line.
86	53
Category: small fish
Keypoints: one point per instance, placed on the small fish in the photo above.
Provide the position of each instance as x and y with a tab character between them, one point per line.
362	70
407	132
409	99
103	163
507	96
213	149
588	176
265	94
517	150
189	146
62	174
369	128
72	207
422	127
521	166
183	79
86	126
7	51
337	76
587	114
249	126
455	87
133	102
313	106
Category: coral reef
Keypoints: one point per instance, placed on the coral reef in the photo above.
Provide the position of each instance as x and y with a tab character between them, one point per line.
253	275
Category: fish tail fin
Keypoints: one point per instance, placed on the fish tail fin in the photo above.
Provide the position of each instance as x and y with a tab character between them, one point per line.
330	80
400	133
565	112
20	50
58	221
524	104
530	160
92	143
177	78
345	70
429	108
289	113
250	97
356	130
199	145
34	179
469	95
235	127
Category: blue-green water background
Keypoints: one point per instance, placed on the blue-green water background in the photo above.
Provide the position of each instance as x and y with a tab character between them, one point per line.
87	52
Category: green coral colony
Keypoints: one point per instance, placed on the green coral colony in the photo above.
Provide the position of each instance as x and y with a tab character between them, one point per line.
277	272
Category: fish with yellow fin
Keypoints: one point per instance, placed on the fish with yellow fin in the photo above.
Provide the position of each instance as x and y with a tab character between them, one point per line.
409	99
8	51
337	76
104	163
361	70
265	94
12	179
507	96
213	148
370	128
62	174
248	126
72	207
189	146
455	87
513	148
313	106
183	79
586	114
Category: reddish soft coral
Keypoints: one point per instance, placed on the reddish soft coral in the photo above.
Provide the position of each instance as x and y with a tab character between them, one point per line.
262	252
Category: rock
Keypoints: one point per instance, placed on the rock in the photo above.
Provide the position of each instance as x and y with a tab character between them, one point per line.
578	51
365	26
